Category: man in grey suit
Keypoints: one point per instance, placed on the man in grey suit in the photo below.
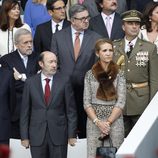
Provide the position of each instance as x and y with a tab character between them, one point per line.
64	45
48	114
108	23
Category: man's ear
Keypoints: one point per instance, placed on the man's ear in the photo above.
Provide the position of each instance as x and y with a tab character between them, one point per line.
40	64
50	12
16	44
72	20
101	5
123	27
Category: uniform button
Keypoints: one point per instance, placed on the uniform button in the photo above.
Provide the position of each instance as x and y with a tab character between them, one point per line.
128	61
128	70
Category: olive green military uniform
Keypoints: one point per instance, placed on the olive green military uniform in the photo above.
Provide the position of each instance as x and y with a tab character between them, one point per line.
141	73
140	69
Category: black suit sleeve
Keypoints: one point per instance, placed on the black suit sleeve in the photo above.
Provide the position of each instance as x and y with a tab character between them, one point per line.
24	114
37	41
65	1
4	63
12	96
71	110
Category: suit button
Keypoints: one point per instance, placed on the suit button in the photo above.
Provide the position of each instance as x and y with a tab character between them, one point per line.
128	70
128	61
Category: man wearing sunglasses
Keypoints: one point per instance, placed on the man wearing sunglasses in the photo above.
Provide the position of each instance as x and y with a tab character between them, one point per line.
44	32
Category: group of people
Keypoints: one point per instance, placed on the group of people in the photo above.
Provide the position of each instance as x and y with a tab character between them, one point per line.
84	77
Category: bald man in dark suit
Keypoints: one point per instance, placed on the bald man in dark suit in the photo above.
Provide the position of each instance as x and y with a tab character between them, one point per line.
48	119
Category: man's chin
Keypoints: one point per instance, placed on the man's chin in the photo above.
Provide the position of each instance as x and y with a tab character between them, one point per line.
29	52
86	27
54	72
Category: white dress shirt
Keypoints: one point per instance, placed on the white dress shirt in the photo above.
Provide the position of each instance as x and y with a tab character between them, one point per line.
54	25
43	81
133	42
104	16
73	31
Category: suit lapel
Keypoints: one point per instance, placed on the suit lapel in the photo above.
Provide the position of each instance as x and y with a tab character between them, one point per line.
66	24
101	26
38	84
54	89
49	28
29	63
84	42
68	41
114	27
19	62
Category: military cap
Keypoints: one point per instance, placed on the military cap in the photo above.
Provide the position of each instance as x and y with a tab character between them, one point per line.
131	15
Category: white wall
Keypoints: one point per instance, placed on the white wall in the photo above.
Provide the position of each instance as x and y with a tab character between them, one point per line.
142	141
79	151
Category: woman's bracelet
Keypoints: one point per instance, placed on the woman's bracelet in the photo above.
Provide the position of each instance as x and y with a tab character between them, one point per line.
96	121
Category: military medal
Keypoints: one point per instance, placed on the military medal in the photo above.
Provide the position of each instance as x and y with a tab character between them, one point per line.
142	58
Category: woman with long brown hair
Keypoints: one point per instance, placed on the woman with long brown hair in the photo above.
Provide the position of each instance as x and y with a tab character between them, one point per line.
149	29
10	21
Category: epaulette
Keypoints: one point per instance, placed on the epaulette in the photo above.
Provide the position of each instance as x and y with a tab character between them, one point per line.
118	40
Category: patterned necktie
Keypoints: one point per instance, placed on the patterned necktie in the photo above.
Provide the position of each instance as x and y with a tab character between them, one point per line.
56	28
77	45
130	45
108	25
47	90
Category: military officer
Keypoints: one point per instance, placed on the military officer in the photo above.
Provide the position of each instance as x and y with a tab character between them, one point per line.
138	60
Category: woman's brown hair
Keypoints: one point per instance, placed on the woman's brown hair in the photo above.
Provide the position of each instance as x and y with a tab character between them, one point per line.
101	42
147	13
7	5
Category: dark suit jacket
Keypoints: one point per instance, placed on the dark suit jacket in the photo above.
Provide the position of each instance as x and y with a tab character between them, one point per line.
97	24
59	116
14	60
43	36
7	99
62	45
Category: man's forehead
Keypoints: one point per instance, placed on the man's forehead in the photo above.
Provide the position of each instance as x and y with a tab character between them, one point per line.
58	3
25	36
83	13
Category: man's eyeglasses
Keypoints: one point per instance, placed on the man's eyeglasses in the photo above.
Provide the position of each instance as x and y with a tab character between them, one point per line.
59	8
83	18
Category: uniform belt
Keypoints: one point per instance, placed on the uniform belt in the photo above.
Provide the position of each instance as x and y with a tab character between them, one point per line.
136	85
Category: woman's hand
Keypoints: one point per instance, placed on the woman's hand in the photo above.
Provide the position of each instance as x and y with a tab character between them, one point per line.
104	127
